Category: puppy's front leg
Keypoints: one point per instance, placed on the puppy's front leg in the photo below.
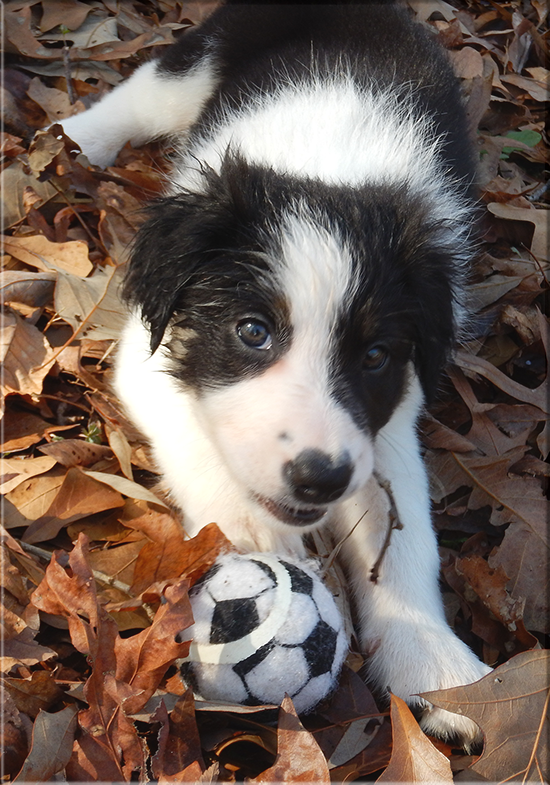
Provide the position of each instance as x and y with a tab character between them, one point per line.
403	628
150	104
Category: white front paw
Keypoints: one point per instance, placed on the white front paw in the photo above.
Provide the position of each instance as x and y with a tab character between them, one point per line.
95	142
451	727
436	661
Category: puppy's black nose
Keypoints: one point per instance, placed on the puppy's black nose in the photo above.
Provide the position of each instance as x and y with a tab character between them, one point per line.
314	478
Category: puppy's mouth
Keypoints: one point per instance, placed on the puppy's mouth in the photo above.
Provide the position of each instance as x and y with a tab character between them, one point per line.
295	516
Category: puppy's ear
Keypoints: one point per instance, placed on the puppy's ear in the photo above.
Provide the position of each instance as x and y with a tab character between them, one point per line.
185	233
434	320
179	238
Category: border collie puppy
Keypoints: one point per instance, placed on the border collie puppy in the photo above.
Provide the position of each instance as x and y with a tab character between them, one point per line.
295	294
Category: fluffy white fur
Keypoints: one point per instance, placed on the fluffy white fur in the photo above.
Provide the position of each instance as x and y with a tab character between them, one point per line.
218	451
144	107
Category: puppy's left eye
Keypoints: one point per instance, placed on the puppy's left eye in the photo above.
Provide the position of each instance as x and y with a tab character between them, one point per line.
254	334
375	358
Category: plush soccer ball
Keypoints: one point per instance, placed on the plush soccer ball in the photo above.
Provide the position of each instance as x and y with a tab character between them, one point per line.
264	626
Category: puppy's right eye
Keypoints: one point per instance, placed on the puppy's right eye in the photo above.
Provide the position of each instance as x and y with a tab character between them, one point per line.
255	334
375	358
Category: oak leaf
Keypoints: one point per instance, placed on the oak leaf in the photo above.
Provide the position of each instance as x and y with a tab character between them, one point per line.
414	758
511	707
299	757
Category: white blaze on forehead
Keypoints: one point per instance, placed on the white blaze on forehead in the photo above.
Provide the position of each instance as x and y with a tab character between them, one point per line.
294	398
318	280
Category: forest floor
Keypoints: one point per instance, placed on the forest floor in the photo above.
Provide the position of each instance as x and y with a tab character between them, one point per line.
95	566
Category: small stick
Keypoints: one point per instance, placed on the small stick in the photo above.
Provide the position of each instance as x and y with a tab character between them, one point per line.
393	523
67	66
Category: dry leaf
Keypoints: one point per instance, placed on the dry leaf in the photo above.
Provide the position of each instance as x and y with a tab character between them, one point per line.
414	758
354	747
76	452
179	743
516	727
38	251
90	305
70	13
170	555
54	102
17	470
477	365
26	357
539	243
51	745
299	757
79	495
34	289
31	695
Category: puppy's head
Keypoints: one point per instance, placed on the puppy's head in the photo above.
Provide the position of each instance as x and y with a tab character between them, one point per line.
293	312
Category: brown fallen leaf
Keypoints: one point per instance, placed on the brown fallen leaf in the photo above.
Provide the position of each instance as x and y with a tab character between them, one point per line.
537	89
34	289
357	741
143	659
14	182
83	302
125	486
79	495
32	497
511	706
514	500
477	365
14	741
17	470
523	554
70	13
299	757
54	102
170	555
51	745
31	695
38	251
179	744
75	452
484	434
539	218
125	671
22	429
414	758
489	585
26	357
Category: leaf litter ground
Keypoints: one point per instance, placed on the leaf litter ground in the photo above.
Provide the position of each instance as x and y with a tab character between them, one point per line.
96	567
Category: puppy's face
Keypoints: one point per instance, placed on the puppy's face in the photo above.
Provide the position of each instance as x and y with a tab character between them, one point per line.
293	370
293	331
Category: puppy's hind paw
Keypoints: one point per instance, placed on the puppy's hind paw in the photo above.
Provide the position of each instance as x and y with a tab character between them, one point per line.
452	728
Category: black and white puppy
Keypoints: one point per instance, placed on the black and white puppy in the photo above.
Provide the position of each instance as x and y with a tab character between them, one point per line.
295	294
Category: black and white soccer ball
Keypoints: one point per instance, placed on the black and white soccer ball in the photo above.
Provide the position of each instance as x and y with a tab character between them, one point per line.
265	626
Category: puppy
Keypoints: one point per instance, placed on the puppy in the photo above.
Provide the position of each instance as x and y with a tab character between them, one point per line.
295	294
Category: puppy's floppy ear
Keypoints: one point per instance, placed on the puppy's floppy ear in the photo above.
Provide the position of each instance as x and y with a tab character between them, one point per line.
179	238
432	293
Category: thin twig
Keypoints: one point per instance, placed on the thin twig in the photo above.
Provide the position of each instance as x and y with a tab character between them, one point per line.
337	548
67	69
393	523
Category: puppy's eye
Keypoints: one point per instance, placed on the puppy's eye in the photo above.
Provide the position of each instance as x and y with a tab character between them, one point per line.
375	358
254	334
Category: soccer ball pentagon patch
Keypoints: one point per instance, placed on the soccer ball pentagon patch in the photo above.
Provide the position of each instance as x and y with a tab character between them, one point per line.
265	626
